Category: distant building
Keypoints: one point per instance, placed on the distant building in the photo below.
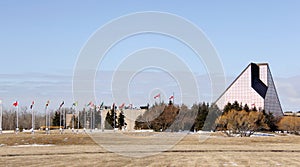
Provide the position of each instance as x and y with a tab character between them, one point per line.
254	87
130	117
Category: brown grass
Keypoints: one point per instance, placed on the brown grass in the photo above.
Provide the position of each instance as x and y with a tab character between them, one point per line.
217	150
56	139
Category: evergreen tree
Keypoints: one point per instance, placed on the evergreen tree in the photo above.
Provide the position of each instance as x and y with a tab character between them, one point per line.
246	108
109	121
121	120
271	121
236	106
81	118
213	114
227	108
55	120
201	116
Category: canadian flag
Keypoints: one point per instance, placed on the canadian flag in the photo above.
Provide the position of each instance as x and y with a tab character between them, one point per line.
158	95
171	97
15	104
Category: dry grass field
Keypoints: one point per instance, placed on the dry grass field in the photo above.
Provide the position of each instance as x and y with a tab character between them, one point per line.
82	150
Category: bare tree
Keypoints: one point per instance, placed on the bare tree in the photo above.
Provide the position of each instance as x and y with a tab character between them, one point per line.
241	122
290	124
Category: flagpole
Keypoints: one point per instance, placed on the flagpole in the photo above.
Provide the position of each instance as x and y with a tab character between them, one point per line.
17	129
159	99
84	121
173	99
64	116
78	122
91	120
94	119
101	123
60	129
114	117
49	122
73	117
32	119
46	127
0	116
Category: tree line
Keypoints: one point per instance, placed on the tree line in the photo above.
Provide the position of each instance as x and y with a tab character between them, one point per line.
235	119
169	117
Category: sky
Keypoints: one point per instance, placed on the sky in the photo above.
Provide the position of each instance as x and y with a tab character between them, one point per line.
40	42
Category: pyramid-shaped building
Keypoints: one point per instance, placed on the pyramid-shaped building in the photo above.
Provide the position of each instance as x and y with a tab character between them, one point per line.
254	87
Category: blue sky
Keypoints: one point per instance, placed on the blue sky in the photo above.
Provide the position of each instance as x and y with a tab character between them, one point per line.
40	40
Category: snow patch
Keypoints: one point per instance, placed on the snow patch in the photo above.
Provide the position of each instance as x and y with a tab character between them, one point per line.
35	145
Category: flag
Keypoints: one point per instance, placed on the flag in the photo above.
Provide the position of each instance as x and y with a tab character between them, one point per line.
90	103
47	104
62	103
253	104
171	97
32	103
15	104
101	105
121	106
158	95
75	103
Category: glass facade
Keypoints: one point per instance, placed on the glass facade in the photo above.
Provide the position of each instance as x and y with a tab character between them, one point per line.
254	87
272	103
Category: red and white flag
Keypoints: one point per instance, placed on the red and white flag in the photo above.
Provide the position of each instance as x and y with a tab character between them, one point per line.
15	103
121	106
171	97
157	96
